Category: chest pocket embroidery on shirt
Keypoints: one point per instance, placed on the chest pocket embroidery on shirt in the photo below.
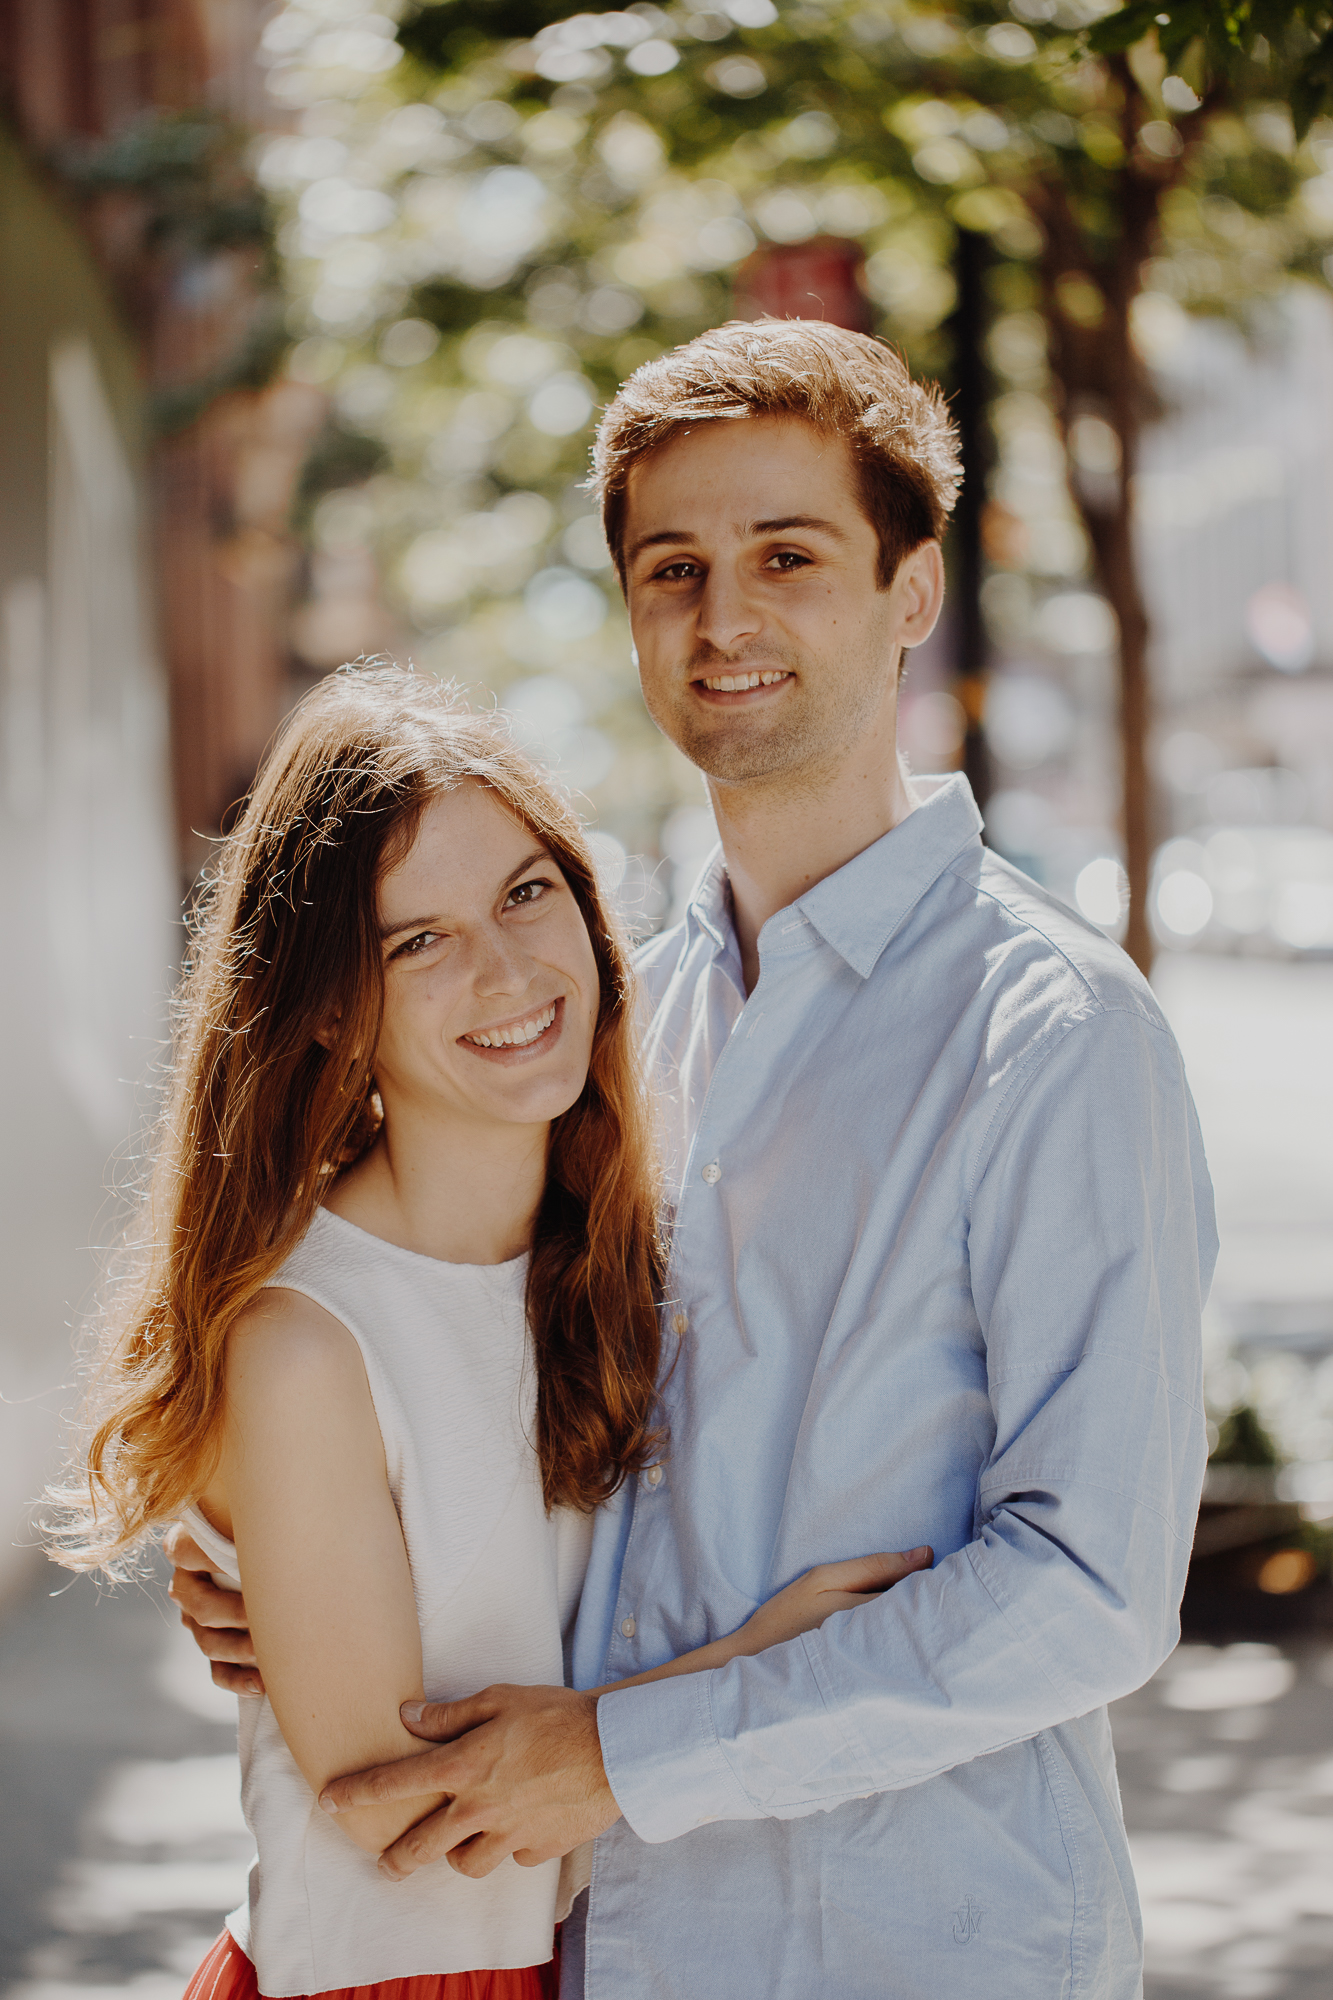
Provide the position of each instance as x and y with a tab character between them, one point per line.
967	1921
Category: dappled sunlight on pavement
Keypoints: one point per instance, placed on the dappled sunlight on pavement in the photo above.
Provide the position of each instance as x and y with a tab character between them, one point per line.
1226	1769
124	1842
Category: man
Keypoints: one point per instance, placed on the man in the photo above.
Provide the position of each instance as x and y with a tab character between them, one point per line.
942	1228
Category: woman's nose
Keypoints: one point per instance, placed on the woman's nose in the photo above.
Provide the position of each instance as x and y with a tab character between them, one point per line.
499	965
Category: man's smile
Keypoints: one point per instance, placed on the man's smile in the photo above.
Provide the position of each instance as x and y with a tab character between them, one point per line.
747	684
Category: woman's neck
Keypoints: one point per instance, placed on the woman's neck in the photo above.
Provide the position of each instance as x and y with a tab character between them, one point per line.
464	1193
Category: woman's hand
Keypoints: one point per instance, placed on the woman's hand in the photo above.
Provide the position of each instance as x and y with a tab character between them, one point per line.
829	1587
803	1605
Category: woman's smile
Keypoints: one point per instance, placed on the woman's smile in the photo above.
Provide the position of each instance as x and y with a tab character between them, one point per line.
521	1038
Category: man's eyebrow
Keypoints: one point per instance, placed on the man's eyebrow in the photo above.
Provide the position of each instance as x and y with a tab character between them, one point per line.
681	537
424	923
798	521
666	536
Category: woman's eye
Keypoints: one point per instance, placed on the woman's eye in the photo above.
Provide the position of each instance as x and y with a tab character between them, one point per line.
525	895
413	947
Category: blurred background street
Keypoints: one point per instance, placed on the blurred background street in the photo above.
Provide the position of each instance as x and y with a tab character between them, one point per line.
307	308
122	1845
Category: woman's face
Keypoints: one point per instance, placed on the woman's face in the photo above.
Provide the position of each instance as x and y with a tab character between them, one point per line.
490	985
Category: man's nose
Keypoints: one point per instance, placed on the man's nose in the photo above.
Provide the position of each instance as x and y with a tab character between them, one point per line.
727	615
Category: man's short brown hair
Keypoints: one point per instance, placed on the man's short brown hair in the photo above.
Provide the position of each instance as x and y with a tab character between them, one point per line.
901	436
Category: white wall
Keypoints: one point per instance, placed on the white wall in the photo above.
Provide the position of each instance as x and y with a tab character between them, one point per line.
87	889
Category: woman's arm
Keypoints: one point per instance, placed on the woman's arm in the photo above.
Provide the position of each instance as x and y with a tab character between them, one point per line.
303	1490
801	1607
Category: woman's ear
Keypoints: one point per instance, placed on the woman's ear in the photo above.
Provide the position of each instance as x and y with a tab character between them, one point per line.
327	1032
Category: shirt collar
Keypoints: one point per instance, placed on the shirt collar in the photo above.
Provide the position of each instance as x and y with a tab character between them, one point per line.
858	908
710	902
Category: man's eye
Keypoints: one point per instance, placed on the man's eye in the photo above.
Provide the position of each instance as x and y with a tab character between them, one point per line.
787	559
673	572
526	894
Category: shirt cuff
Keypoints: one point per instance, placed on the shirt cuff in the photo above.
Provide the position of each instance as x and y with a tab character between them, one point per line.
663	1759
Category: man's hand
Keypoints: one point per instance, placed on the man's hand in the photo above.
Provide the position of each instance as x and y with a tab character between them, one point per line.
215	1619
522	1765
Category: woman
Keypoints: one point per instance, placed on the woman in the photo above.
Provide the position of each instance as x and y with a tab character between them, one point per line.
394	1329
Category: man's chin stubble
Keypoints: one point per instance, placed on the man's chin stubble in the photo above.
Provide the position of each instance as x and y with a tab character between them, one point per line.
735	757
782	759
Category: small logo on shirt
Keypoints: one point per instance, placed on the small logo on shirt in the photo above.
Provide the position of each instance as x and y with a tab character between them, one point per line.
967	1922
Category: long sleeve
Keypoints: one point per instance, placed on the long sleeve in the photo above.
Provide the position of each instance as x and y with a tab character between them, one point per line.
1090	1244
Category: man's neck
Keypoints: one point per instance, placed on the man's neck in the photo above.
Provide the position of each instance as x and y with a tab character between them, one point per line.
781	837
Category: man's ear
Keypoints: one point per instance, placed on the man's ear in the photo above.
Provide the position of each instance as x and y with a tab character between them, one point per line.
919	586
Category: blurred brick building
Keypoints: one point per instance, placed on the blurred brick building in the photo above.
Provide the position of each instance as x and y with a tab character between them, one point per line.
145	571
131	118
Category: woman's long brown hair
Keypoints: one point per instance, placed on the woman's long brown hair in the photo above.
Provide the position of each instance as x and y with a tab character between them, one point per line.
260	1114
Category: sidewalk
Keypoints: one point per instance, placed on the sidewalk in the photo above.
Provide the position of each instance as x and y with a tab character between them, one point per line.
121	1837
122	1841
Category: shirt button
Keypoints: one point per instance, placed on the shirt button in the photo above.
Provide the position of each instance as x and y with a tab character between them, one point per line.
627	1626
654	1475
679	1323
712	1173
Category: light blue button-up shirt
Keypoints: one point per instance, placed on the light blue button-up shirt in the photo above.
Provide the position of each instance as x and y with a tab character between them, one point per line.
943	1227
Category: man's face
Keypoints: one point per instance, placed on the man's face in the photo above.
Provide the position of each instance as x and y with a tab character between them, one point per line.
766	647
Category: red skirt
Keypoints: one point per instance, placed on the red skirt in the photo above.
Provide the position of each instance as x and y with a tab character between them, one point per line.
227	1974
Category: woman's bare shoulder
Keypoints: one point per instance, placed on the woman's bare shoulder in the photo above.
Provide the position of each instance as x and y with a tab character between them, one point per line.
283	1339
298	1403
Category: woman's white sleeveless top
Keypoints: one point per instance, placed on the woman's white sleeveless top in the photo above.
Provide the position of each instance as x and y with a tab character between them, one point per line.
496	1580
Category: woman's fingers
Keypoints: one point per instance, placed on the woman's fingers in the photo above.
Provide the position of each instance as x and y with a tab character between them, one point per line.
860	1575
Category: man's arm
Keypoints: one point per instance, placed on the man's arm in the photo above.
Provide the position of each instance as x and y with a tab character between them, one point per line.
1090	1240
216	1619
523	1765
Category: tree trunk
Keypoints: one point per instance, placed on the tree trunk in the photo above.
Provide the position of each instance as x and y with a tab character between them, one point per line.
1099	374
970	399
1117	572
